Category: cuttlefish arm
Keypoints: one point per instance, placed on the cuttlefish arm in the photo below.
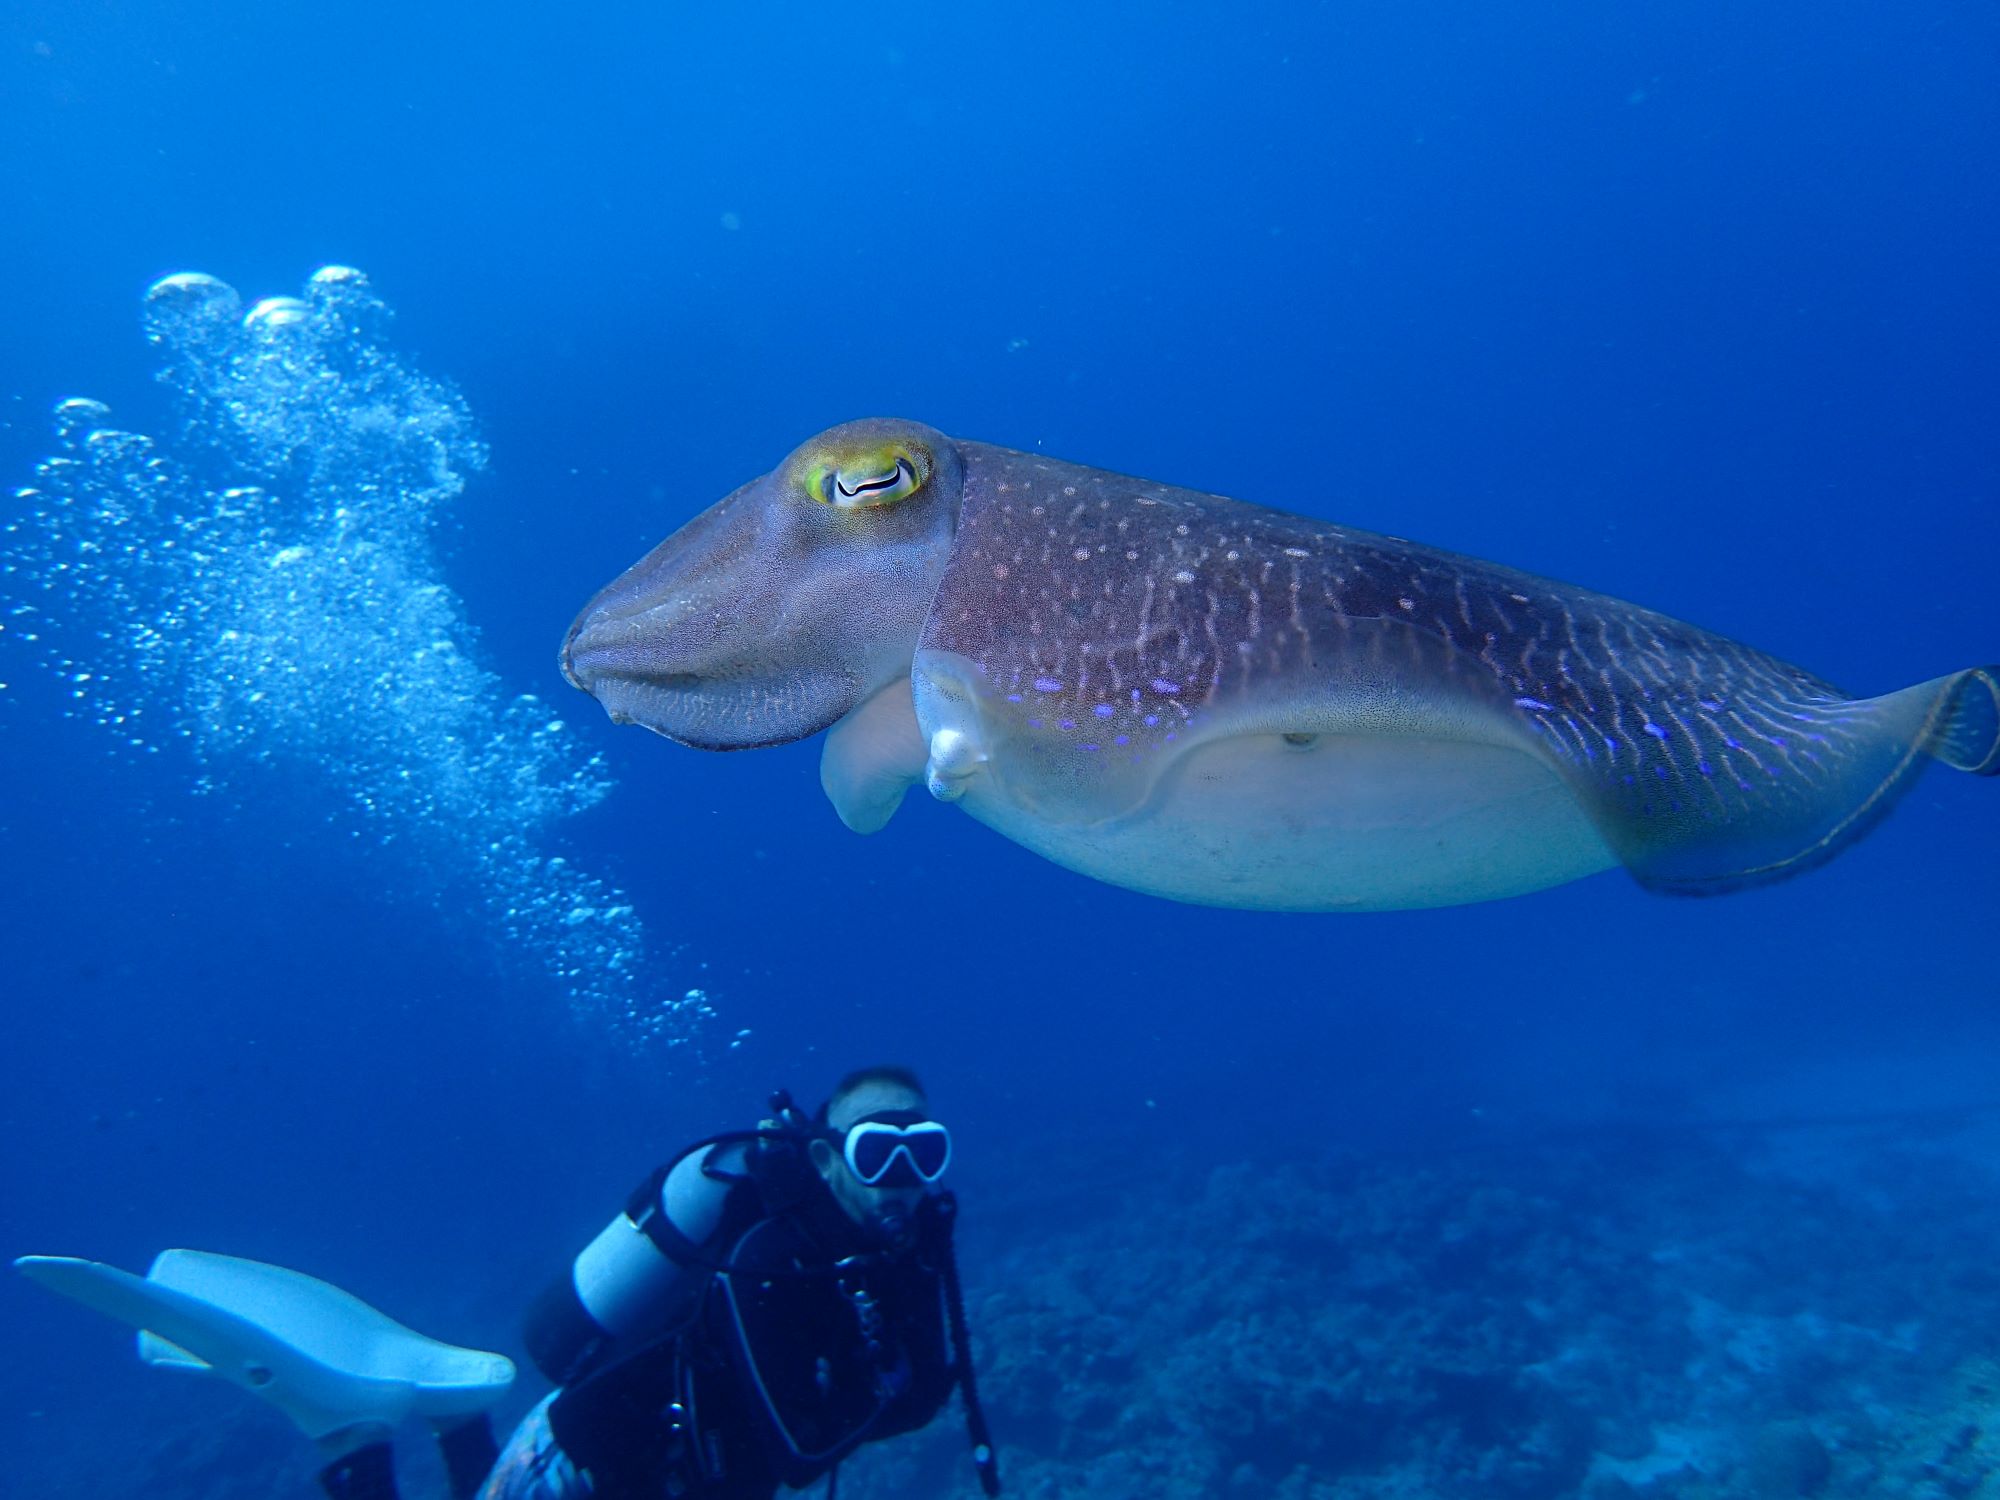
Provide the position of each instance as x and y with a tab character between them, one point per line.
872	757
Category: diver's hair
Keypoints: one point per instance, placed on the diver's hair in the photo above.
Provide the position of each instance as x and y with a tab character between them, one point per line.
890	1073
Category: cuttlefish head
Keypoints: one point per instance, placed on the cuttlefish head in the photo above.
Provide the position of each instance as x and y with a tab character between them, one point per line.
781	607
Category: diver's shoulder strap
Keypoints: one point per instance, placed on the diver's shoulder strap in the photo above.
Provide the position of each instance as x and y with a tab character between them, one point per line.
715	1203
777	1180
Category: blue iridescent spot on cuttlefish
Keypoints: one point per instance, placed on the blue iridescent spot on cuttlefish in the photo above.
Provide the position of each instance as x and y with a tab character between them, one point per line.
1309	717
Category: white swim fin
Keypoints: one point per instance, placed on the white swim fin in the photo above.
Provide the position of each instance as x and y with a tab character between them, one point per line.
320	1355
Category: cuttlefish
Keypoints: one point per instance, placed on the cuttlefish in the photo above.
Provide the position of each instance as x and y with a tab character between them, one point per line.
1214	702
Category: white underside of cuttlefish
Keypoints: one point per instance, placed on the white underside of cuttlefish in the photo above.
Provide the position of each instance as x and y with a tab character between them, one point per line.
1349	819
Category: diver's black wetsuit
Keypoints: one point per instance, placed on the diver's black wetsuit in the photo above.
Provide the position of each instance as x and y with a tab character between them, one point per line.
796	1336
806	1337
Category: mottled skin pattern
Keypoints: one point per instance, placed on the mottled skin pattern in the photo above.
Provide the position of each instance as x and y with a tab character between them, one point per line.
1218	702
1114	614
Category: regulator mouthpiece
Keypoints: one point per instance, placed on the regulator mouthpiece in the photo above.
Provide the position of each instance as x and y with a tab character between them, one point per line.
896	1229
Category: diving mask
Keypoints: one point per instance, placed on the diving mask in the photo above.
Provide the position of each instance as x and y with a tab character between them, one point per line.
896	1149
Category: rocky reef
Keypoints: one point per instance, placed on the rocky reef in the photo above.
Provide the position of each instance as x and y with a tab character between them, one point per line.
1645	1316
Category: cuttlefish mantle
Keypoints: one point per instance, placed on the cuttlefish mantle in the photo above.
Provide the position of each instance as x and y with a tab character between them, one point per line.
1215	702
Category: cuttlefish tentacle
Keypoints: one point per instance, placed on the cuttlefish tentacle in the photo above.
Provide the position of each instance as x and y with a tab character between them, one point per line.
872	757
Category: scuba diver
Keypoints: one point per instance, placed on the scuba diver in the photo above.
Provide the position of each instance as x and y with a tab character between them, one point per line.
765	1303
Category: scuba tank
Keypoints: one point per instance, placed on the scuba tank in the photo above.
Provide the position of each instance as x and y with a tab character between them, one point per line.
621	1288
614	1290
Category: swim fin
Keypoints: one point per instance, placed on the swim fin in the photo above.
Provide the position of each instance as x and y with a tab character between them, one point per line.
320	1355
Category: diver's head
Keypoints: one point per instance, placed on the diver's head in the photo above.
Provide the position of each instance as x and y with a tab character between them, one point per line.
879	1150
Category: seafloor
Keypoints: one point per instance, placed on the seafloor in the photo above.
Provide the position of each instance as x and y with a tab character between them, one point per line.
1786	1309
1769	1311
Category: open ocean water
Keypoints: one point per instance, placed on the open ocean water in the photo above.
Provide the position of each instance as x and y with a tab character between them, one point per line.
338	931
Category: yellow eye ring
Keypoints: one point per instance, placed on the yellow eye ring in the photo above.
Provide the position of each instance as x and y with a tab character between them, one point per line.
856	481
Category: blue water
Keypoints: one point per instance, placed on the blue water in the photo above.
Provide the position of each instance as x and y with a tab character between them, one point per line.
1691	304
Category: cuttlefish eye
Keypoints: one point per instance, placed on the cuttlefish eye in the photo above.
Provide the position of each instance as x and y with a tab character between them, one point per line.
876	476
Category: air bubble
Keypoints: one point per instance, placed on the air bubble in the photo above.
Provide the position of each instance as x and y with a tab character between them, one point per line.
76	418
294	622
277	312
190	309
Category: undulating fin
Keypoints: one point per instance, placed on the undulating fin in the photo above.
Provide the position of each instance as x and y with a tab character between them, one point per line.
1762	786
1966	735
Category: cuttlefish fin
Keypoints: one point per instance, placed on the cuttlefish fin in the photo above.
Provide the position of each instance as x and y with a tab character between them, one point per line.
1966	735
872	756
1758	792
